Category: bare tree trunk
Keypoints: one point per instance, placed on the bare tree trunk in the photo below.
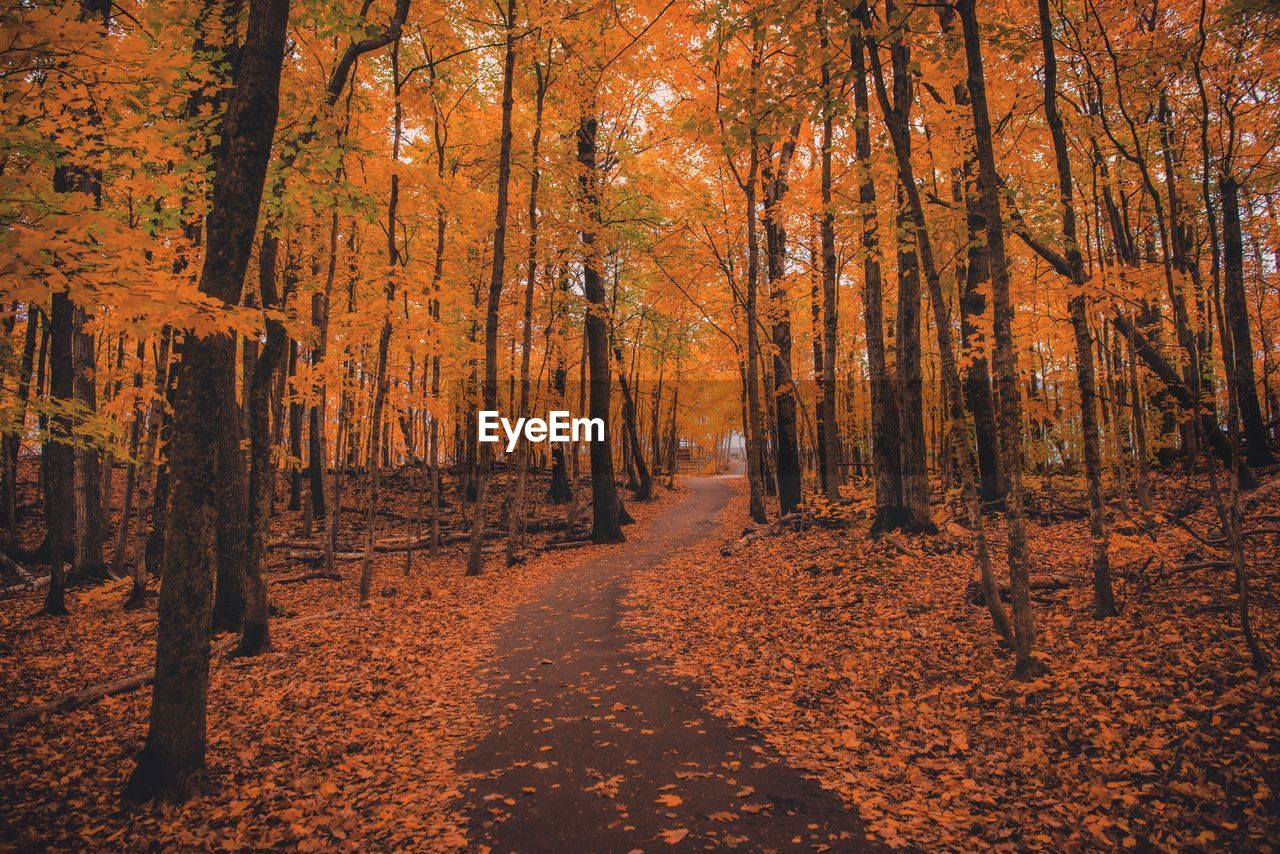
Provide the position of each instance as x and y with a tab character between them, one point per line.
1256	443
382	381
829	435
787	442
154	417
886	468
517	519
475	558
1009	406
131	476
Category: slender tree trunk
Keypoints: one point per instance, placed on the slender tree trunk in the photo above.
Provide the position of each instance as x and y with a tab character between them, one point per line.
1006	369
475	558
787	445
830	434
136	430
1103	599
885	465
517	519
382	381
154	418
13	442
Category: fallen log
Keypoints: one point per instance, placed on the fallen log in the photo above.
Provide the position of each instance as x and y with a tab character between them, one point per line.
309	576
1203	564
83	697
123	685
795	518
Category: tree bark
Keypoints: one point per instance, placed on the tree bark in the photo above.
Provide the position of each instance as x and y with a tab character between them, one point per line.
886	469
174	752
606	525
475	558
1257	448
1006	369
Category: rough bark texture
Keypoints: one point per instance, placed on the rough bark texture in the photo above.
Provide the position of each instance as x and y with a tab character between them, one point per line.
1006	368
1256	447
884	410
1103	600
174	752
605	525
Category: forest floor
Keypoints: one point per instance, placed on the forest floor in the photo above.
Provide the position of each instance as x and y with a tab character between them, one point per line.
812	688
346	735
867	663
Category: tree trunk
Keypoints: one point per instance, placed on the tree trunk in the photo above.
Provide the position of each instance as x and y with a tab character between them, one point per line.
475	558
885	466
787	445
58	457
606	525
174	752
1256	445
1103	599
830	434
522	460
1006	369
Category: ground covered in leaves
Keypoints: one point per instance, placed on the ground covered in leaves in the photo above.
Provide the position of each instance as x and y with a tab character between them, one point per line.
867	663
345	735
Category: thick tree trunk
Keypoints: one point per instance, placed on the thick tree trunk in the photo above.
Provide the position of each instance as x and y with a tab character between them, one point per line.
606	526
174	752
57	456
88	561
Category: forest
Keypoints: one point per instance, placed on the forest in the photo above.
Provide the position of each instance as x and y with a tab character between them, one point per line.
936	351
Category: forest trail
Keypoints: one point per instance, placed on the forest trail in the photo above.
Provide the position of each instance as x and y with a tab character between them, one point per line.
595	749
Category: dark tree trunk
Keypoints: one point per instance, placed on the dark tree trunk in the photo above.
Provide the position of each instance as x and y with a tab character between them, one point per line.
255	634
174	752
1103	600
295	435
829	435
475	558
1257	449
1006	369
787	446
606	525
884	412
58	457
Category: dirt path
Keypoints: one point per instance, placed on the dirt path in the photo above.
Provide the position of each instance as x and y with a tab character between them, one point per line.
595	750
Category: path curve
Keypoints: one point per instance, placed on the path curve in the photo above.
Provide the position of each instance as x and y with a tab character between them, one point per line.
594	749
